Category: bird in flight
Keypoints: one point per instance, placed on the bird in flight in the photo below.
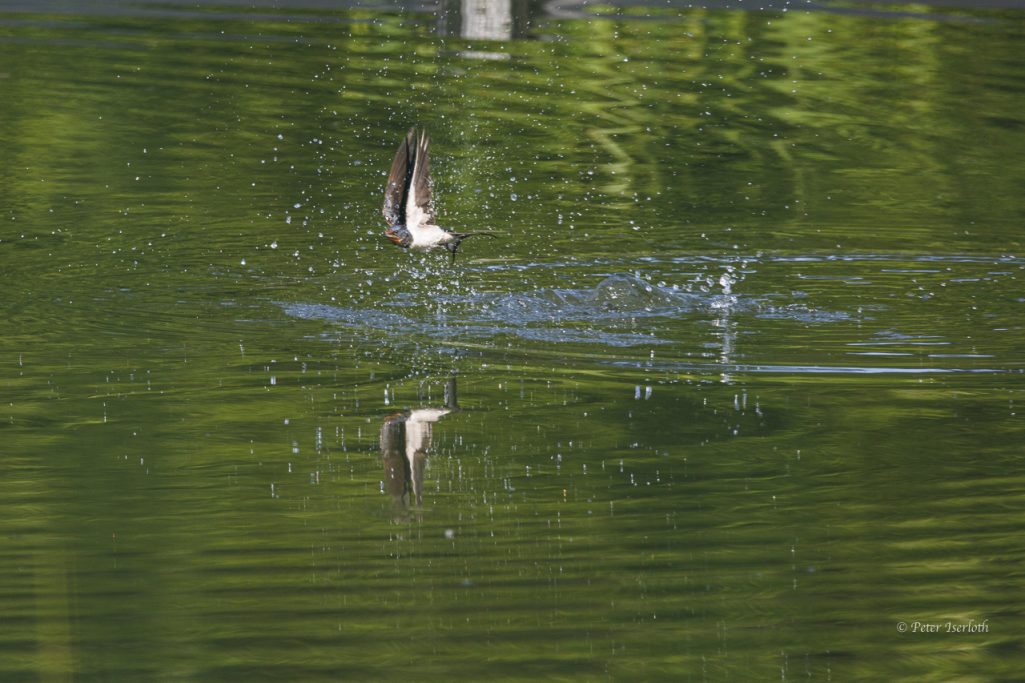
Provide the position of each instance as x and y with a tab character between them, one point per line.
409	203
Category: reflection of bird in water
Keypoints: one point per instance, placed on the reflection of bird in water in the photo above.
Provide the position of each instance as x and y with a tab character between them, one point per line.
409	204
405	441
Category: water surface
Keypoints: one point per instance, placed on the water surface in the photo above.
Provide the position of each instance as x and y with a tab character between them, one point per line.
736	394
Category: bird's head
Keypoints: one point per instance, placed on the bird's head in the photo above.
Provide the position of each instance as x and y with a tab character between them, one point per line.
399	235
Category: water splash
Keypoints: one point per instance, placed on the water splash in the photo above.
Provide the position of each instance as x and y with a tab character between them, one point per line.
610	313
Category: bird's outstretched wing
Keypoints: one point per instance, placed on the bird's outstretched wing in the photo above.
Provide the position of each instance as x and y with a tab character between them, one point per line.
420	203
420	199
408	199
396	191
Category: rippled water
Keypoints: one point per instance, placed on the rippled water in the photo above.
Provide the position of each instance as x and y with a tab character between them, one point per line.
735	394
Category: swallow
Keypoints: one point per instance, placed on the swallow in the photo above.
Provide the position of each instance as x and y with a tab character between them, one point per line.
409	201
406	440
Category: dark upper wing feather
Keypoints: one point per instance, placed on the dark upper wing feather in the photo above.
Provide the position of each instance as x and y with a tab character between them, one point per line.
396	191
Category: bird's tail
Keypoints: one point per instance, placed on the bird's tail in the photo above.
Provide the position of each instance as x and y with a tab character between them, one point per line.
453	246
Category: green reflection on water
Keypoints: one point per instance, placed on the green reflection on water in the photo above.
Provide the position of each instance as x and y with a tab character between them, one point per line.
738	391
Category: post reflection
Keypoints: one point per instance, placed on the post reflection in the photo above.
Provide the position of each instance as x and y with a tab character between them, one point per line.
405	444
500	20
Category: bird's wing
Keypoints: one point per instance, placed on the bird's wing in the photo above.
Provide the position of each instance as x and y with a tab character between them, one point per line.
420	201
396	191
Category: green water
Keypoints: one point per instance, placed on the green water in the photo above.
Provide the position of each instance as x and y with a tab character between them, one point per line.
738	390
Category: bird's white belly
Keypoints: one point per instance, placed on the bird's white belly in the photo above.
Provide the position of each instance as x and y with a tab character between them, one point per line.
428	237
